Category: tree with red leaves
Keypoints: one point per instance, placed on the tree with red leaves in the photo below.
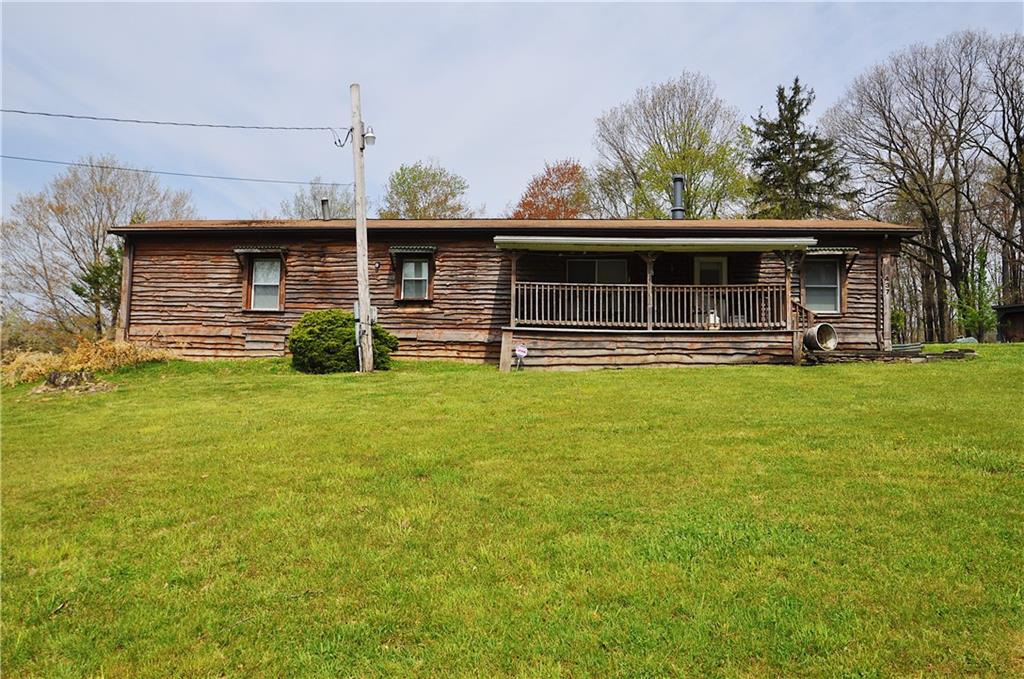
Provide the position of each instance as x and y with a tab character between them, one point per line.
559	192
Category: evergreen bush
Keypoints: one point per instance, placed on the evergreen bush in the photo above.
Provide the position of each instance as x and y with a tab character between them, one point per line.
325	342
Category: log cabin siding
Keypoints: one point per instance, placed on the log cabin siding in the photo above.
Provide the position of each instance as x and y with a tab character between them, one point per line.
189	295
186	292
566	350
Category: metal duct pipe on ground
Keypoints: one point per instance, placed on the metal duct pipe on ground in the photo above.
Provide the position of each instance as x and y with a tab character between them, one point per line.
821	337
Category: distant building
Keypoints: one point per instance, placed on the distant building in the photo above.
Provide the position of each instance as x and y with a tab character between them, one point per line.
1010	323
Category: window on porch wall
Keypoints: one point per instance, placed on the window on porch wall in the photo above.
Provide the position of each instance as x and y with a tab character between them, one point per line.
710	270
597	271
821	285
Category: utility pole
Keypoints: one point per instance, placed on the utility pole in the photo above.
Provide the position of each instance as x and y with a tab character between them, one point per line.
364	328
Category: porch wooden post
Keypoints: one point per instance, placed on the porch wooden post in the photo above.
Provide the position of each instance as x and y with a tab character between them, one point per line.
505	357
649	259
879	338
513	259
124	320
798	346
787	258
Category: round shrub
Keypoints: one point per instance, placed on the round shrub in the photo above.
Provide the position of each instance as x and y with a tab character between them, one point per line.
325	342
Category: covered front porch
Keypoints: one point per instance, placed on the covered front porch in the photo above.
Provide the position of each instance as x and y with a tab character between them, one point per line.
653	301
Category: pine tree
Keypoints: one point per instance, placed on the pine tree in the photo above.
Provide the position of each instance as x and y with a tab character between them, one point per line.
798	173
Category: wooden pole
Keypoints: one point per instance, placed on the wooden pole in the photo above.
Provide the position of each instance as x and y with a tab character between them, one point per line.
363	323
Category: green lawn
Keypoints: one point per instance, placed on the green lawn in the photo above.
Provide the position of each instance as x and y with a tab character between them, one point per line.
242	519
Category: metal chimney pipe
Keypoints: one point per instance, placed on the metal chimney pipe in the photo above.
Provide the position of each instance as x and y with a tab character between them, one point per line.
324	209
678	183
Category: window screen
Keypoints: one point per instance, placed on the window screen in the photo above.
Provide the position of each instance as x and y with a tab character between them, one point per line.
612	271
266	283
821	284
415	278
597	271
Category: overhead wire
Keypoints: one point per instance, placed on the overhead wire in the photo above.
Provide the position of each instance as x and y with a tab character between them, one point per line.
173	173
141	121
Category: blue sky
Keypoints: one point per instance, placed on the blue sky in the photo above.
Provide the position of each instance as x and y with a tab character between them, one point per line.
491	91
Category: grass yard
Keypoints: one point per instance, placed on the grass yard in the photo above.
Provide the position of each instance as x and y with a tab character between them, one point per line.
242	519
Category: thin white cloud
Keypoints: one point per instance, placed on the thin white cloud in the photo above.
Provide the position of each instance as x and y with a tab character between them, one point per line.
493	91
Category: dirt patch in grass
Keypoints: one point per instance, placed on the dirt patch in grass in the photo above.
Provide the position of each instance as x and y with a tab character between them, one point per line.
71	382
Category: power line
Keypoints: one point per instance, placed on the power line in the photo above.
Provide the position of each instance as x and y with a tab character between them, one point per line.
138	121
174	174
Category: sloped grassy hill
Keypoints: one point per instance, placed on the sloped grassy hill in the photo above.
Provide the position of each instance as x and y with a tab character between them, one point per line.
240	518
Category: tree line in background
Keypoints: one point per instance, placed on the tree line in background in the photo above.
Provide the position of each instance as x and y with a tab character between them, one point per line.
61	266
933	136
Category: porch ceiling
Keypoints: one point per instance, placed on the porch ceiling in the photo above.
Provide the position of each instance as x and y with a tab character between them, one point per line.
595	244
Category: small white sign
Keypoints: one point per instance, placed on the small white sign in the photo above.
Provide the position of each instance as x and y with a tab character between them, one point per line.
521	351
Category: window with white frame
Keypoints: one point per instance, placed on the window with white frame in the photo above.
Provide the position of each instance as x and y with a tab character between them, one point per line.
710	270
415	278
596	271
821	284
265	291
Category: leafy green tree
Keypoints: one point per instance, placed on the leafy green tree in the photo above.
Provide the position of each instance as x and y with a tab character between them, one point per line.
715	177
798	172
680	126
425	190
974	304
99	285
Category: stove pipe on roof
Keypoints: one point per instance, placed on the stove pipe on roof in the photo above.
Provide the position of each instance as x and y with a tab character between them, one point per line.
325	208
678	182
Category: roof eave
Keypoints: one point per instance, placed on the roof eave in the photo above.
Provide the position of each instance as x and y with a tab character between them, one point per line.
528	225
686	244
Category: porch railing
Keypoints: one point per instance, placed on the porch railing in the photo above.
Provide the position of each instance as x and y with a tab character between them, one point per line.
737	307
685	307
583	305
803	318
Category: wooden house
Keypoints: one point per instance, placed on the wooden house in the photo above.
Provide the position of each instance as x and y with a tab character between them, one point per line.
574	293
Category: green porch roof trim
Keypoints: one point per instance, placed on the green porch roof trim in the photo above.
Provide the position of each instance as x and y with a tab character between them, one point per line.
621	244
412	249
259	248
832	251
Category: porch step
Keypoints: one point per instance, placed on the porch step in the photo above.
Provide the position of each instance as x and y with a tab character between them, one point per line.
902	355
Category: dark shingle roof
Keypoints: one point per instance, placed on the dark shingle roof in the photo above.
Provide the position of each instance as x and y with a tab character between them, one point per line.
528	225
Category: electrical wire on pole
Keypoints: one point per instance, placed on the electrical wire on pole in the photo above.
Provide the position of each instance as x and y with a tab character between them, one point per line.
333	129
